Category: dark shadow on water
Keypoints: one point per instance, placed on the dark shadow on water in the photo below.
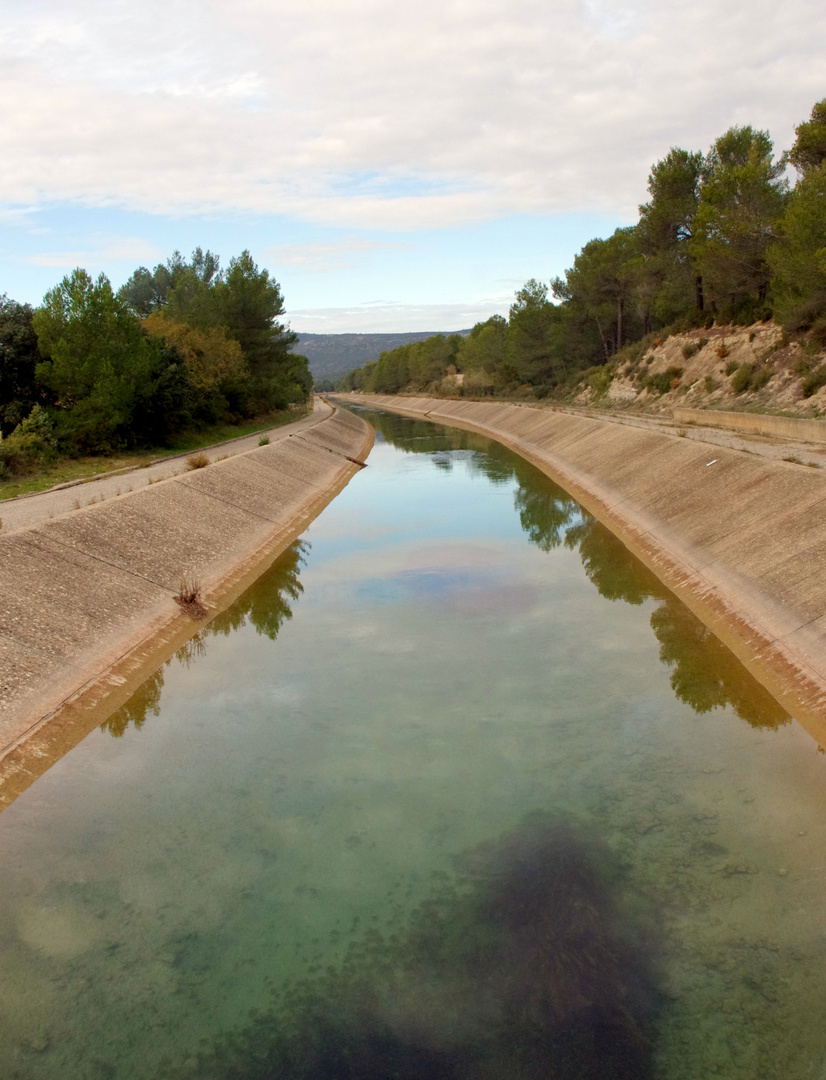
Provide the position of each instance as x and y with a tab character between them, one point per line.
528	963
265	606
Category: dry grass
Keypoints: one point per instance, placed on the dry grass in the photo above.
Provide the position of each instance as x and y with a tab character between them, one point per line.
197	461
188	598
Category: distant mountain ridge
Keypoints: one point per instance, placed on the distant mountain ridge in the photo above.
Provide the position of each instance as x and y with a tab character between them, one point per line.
331	356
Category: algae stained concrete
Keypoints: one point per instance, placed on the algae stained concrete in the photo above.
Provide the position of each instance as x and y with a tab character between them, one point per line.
87	604
741	540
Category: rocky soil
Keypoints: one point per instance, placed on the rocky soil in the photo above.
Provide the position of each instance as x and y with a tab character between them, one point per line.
743	368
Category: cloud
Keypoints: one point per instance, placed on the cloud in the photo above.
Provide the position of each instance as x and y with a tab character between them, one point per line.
21	217
402	116
381	317
132	250
321	258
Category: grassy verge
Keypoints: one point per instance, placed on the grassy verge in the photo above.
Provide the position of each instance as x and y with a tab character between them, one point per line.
66	470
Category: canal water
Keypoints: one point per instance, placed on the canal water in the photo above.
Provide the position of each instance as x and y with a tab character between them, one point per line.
456	790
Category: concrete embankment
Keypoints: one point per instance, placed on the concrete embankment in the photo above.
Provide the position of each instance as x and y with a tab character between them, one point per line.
35	507
740	539
780	427
86	599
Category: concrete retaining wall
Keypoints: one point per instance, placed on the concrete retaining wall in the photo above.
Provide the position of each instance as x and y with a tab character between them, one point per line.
742	541
784	427
86	599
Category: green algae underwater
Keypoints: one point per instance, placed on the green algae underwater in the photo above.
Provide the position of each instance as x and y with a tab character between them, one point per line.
456	790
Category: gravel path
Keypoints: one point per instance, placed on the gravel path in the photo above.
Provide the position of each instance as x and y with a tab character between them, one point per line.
27	510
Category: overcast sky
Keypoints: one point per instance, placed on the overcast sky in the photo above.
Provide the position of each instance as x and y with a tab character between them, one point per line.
397	165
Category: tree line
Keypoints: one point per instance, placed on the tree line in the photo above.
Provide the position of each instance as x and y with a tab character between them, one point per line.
724	237
93	370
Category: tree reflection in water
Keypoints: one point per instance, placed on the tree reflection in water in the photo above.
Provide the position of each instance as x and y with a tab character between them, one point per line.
265	606
145	701
705	674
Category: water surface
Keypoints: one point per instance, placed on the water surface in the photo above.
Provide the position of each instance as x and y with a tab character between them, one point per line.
457	789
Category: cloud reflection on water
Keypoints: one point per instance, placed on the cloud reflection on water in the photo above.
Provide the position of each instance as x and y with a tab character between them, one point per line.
470	580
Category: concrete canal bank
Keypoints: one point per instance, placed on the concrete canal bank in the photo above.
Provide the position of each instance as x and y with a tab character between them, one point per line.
740	539
87	605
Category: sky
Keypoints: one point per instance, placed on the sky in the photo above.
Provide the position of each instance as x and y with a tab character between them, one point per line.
395	165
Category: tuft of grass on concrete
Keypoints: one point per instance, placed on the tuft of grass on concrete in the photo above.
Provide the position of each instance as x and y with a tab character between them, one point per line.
188	598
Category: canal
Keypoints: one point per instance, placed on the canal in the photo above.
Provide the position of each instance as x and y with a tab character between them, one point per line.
456	791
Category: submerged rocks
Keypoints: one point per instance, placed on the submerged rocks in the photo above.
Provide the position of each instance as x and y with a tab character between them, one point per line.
525	965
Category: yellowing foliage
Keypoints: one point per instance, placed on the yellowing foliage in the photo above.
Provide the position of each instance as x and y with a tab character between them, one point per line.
211	358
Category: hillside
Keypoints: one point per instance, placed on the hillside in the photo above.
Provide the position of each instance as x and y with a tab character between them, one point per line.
750	368
331	356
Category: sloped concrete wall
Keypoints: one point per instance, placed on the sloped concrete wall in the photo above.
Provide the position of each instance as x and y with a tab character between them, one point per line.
795	429
742	541
86	599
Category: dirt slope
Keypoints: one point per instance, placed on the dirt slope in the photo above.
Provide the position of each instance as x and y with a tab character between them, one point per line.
748	368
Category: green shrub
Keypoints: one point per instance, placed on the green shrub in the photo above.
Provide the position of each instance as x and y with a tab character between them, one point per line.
30	447
748	310
264	440
806	315
634	351
599	381
813	380
663	381
478	383
692	320
691	348
761	378
731	367
741	379
710	385
818	333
